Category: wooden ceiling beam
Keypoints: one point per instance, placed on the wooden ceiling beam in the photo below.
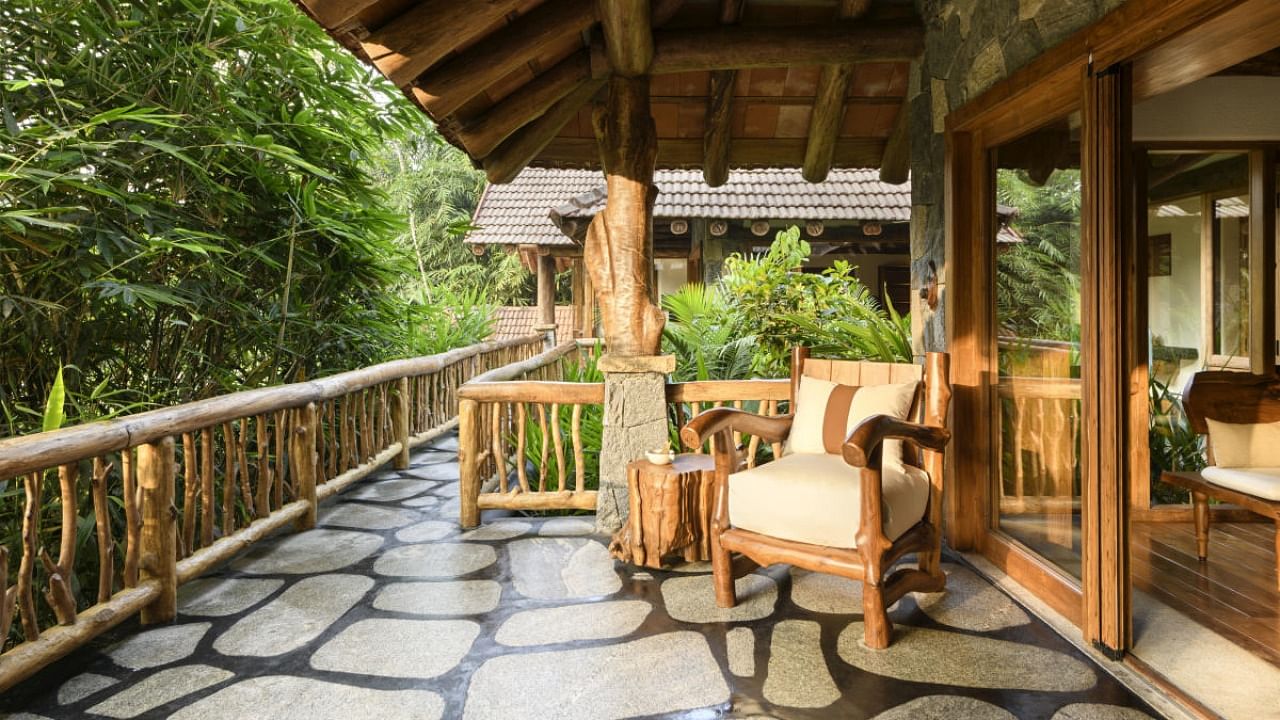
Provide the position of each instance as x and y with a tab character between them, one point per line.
425	34
719	123
628	35
447	87
508	159
895	168
829	105
486	132
737	48
333	13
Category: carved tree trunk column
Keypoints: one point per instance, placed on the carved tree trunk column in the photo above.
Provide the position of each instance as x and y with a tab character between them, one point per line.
619	259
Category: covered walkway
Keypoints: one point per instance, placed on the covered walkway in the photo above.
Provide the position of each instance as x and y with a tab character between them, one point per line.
387	610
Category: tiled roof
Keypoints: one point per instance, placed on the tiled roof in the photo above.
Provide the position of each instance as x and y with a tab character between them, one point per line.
519	213
516	322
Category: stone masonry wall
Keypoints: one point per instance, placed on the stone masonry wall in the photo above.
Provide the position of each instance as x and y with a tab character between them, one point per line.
969	46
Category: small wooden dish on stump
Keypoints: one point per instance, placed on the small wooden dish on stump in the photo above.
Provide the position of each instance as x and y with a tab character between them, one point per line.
670	511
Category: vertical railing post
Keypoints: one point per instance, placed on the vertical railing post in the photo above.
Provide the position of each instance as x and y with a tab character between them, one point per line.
159	537
468	465
400	423
302	460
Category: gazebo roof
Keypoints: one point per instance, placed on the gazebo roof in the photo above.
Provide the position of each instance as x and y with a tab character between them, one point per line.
735	83
523	212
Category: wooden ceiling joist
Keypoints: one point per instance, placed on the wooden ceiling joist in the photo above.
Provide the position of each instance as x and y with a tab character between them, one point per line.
829	105
333	13
895	167
447	87
425	34
508	159
486	132
719	123
837	42
628	35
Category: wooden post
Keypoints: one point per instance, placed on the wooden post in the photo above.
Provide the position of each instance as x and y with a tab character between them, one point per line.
400	423
468	465
159	561
302	460
547	299
619	243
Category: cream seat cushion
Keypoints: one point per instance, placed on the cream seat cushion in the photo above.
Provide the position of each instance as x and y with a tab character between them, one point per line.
1263	482
817	498
1247	445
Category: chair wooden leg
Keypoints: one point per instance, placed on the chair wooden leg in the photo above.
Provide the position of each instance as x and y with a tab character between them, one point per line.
1200	503
875	618
722	573
1278	553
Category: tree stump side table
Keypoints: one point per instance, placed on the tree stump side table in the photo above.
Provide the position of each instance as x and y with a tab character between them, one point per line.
669	511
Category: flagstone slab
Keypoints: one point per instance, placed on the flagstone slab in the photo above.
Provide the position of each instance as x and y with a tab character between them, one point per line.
497	530
422	502
665	673
950	658
449	489
448	443
798	673
458	597
692	599
570	623
161	646
362	516
82	686
971	603
389	490
309	553
299	615
945	707
1099	711
741	648
419	649
440	471
562	568
558	527
280	696
159	689
435	560
823	593
221	596
426	531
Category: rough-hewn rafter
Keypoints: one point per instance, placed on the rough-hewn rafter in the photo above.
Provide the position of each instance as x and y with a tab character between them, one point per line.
829	105
718	134
429	31
508	159
484	133
895	167
332	13
839	42
628	35
445	88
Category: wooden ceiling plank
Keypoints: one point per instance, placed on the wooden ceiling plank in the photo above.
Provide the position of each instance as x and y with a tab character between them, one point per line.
508	159
424	35
449	86
628	35
895	167
332	13
486	132
737	47
718	135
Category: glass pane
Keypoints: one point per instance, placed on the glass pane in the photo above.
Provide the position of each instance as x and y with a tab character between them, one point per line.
1231	277
1038	347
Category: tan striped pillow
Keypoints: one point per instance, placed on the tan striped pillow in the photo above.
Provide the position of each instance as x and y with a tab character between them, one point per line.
827	412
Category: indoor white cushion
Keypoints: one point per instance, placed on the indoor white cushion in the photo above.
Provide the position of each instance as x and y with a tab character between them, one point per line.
817	498
1263	482
813	415
1248	445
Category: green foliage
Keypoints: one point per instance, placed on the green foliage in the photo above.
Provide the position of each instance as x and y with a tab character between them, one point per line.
1174	445
591	428
455	319
833	312
707	335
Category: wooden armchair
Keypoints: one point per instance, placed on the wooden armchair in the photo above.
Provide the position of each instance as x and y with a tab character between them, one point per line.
851	504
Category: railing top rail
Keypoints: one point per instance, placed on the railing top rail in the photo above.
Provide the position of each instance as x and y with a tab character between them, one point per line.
534	391
31	453
727	390
517	369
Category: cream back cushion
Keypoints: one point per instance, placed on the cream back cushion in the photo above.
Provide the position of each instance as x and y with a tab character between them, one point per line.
1245	445
827	412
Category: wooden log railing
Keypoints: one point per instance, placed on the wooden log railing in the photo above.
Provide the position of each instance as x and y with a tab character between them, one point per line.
765	397
195	484
1038	447
520	439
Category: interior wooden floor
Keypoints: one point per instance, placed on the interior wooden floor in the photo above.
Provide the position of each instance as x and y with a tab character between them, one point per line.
1234	593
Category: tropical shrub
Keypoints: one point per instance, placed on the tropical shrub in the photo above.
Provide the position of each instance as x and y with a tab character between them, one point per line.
706	334
454	318
1174	445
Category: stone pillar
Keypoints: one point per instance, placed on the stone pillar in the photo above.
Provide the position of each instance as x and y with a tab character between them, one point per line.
635	420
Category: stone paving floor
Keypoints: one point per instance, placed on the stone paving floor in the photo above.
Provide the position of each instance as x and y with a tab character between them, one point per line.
388	611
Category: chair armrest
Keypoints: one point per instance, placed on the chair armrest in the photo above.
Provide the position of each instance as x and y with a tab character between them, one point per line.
708	423
865	440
